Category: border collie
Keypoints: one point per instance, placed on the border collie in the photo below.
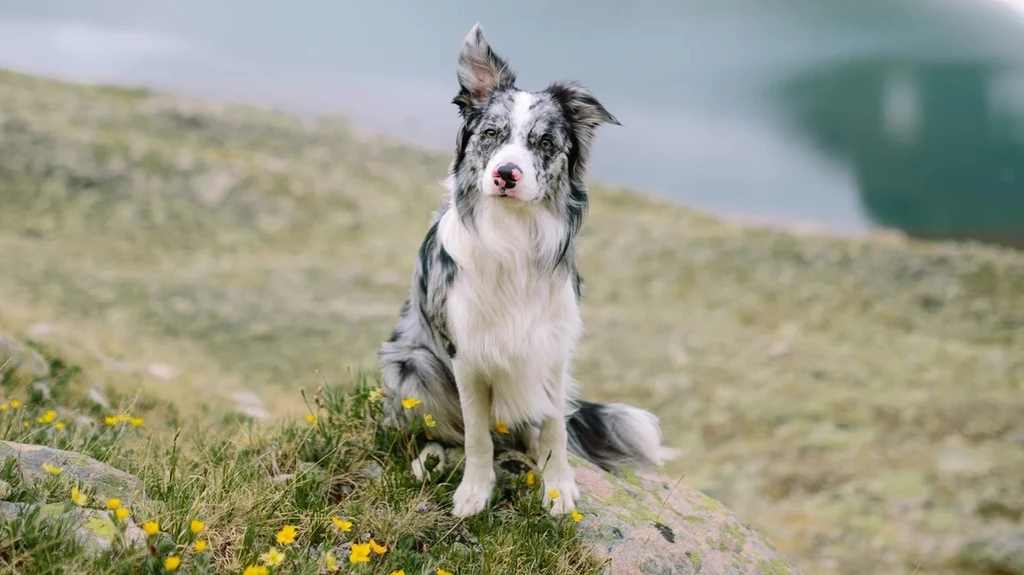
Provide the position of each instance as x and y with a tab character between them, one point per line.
487	337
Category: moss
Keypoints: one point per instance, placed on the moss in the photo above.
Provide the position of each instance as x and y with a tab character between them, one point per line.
99	524
695	560
774	567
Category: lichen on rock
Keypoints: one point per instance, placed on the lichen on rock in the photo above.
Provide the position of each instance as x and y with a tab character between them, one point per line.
94	529
106	481
640	523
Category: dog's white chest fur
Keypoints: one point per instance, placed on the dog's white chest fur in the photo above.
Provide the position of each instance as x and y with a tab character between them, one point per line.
514	327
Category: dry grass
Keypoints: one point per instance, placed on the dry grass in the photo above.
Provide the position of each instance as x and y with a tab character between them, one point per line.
856	400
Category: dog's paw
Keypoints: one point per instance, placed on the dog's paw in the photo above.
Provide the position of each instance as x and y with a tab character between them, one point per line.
472	495
421	465
560	492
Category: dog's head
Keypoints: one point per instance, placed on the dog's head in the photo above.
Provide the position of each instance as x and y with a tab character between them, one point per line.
516	146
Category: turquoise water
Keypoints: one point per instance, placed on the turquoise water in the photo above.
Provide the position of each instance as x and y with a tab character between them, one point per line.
844	114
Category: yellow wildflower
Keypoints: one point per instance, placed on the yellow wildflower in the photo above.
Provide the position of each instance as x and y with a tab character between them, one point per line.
360	553
255	570
113	504
3	407
200	545
51	468
197	526
122	513
59	425
15	404
172	562
553	494
377	548
577	516
501	426
410	402
78	498
110	419
430	436
272	558
377	394
311	419
24	424
345	526
136	421
530	479
399	572
151	527
330	562
443	572
429	420
286	536
47	417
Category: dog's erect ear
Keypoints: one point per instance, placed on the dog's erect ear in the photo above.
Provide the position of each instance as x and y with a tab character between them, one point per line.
580	105
480	70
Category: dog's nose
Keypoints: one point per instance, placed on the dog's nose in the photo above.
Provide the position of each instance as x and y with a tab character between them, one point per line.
506	175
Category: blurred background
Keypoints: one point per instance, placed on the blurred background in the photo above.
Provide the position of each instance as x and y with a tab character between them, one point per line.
906	114
857	396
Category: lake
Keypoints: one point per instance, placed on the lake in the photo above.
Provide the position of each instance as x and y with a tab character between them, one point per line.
907	114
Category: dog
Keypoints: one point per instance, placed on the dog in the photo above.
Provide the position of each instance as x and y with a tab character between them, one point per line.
486	339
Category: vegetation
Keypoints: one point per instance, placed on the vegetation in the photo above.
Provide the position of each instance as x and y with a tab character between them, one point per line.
293	497
857	400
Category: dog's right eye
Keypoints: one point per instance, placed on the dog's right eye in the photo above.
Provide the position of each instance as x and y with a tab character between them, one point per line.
490	133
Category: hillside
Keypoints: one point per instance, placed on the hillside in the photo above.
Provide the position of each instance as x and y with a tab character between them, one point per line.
859	401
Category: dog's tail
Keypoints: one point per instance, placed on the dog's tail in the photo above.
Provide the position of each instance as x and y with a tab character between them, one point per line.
613	435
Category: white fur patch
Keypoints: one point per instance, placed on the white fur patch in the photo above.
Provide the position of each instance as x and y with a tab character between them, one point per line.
514	326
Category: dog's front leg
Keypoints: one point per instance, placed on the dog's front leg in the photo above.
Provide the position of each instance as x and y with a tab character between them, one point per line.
478	480
559	476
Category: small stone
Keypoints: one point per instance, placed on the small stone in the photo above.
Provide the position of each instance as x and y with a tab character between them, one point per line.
96	396
42	390
5	490
250	404
162	371
40	330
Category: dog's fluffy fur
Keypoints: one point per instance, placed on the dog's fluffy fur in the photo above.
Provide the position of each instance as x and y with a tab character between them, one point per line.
488	334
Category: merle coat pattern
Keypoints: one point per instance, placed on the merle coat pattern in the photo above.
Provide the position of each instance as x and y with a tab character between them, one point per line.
486	339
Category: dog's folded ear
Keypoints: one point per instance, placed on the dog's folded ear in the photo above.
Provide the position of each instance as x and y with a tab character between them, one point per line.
480	70
580	105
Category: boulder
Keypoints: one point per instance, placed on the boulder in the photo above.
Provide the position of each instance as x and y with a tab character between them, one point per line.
1000	555
94	529
104	481
646	524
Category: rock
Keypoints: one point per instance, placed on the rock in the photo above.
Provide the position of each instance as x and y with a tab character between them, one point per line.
96	396
1001	555
162	371
104	481
642	523
250	404
22	364
95	530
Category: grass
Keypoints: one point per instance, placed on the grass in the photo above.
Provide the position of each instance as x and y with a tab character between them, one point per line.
246	482
857	400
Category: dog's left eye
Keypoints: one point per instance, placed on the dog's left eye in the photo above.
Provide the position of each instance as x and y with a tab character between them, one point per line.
491	133
546	143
